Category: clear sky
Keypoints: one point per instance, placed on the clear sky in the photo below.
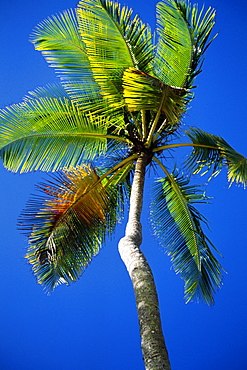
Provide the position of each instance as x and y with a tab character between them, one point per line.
92	325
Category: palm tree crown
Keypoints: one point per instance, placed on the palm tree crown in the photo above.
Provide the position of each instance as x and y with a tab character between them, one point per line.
122	95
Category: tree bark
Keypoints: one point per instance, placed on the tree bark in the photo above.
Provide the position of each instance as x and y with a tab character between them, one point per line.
152	339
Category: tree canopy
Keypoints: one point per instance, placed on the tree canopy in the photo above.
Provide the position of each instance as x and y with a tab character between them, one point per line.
122	92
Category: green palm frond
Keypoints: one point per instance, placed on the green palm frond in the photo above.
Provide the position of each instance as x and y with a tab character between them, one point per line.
174	48
137	35
178	225
211	153
144	92
67	224
200	24
60	43
48	134
54	90
236	164
114	41
184	33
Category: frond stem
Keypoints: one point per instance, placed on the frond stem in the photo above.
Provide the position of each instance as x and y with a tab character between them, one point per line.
128	164
87	134
144	124
136	125
183	145
160	130
162	167
155	122
119	165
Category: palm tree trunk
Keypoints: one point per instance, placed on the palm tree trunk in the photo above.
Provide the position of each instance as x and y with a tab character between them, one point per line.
152	339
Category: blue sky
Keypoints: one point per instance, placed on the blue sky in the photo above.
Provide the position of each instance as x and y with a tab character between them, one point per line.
93	324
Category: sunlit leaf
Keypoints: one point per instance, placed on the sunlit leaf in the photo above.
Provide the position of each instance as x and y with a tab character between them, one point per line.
183	38
178	225
174	48
61	45
212	153
50	91
200	24
142	91
114	41
47	134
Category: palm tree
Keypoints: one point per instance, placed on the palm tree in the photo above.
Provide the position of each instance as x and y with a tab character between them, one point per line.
116	115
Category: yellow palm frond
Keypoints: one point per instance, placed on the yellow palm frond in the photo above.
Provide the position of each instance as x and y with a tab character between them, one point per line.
145	92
